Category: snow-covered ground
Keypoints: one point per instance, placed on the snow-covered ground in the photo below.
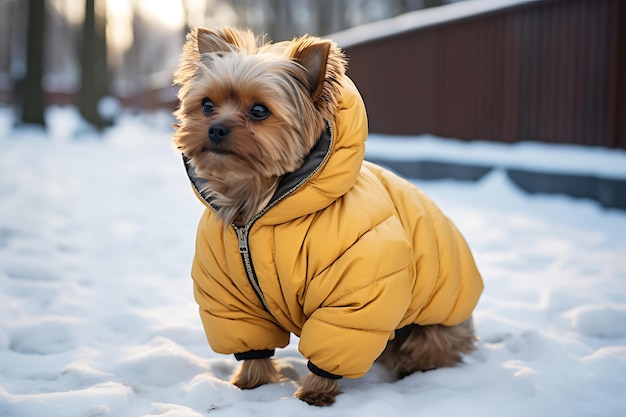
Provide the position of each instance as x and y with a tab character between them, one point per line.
97	316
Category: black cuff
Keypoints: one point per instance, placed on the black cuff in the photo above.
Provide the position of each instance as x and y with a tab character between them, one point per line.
255	354
320	372
405	331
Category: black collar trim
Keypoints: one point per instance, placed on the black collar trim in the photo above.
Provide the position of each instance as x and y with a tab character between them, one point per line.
288	183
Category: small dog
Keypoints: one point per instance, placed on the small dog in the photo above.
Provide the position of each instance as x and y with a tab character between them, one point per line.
302	236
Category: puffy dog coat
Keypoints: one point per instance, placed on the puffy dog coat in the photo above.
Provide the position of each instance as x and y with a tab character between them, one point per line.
343	255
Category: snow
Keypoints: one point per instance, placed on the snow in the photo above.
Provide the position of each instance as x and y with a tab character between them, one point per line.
97	316
533	156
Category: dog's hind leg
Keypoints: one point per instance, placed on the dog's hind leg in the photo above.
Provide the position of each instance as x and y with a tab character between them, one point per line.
424	348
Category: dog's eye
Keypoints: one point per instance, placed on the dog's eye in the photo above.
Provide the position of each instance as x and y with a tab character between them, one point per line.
259	112
207	106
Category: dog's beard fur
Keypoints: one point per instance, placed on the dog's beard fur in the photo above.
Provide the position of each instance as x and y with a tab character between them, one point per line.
298	81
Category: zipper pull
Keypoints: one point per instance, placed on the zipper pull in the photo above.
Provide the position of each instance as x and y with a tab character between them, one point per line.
243	240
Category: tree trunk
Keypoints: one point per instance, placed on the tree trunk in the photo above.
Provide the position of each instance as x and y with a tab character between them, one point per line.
433	3
94	70
33	105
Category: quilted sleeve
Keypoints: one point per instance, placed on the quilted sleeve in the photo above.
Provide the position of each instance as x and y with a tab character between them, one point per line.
233	324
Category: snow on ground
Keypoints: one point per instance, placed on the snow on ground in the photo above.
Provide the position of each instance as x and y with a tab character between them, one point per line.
548	158
97	316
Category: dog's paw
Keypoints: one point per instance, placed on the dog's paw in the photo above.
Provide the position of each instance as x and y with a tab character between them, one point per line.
319	399
318	391
254	373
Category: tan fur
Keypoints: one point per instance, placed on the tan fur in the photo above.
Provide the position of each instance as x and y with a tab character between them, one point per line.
298	81
255	372
317	390
427	348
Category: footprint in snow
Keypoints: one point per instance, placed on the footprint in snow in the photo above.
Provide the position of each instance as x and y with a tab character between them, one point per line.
30	273
46	337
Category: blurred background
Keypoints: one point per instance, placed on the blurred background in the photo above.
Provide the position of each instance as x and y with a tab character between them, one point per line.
104	55
500	70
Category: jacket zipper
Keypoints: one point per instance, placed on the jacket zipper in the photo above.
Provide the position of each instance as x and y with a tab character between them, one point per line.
244	250
244	232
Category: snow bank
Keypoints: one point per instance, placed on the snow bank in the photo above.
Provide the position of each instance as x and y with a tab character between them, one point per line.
532	156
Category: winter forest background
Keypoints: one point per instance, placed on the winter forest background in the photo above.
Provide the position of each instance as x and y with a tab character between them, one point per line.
100	54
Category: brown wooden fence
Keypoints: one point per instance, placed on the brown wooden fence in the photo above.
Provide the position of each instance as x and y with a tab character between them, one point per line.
550	70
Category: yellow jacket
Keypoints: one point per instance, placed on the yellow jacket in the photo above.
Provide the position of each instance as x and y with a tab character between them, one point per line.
343	255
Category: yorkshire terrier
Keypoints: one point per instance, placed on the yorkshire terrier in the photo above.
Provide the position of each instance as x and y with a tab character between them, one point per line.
300	235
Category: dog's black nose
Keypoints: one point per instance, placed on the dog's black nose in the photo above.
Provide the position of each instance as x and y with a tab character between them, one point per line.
218	133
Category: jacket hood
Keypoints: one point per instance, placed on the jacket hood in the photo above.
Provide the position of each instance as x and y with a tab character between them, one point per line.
327	173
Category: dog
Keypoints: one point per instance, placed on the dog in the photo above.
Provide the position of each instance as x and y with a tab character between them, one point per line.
302	236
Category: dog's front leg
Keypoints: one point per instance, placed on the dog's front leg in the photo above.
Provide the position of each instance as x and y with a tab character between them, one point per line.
255	372
317	390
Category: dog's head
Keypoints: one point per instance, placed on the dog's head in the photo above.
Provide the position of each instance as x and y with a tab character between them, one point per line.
250	109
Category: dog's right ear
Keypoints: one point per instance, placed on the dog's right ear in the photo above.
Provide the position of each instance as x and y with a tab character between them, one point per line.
313	56
224	40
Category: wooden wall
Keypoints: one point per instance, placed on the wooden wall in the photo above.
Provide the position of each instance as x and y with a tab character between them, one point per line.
551	71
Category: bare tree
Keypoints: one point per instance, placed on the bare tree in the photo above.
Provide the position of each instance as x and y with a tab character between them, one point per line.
94	84
433	3
33	103
185	7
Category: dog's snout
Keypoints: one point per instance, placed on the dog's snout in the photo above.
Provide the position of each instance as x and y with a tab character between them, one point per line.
218	133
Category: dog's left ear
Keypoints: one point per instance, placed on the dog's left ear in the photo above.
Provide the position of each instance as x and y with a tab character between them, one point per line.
210	41
225	39
312	54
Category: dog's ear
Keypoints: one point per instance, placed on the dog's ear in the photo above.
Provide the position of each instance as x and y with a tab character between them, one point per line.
312	54
224	40
209	41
